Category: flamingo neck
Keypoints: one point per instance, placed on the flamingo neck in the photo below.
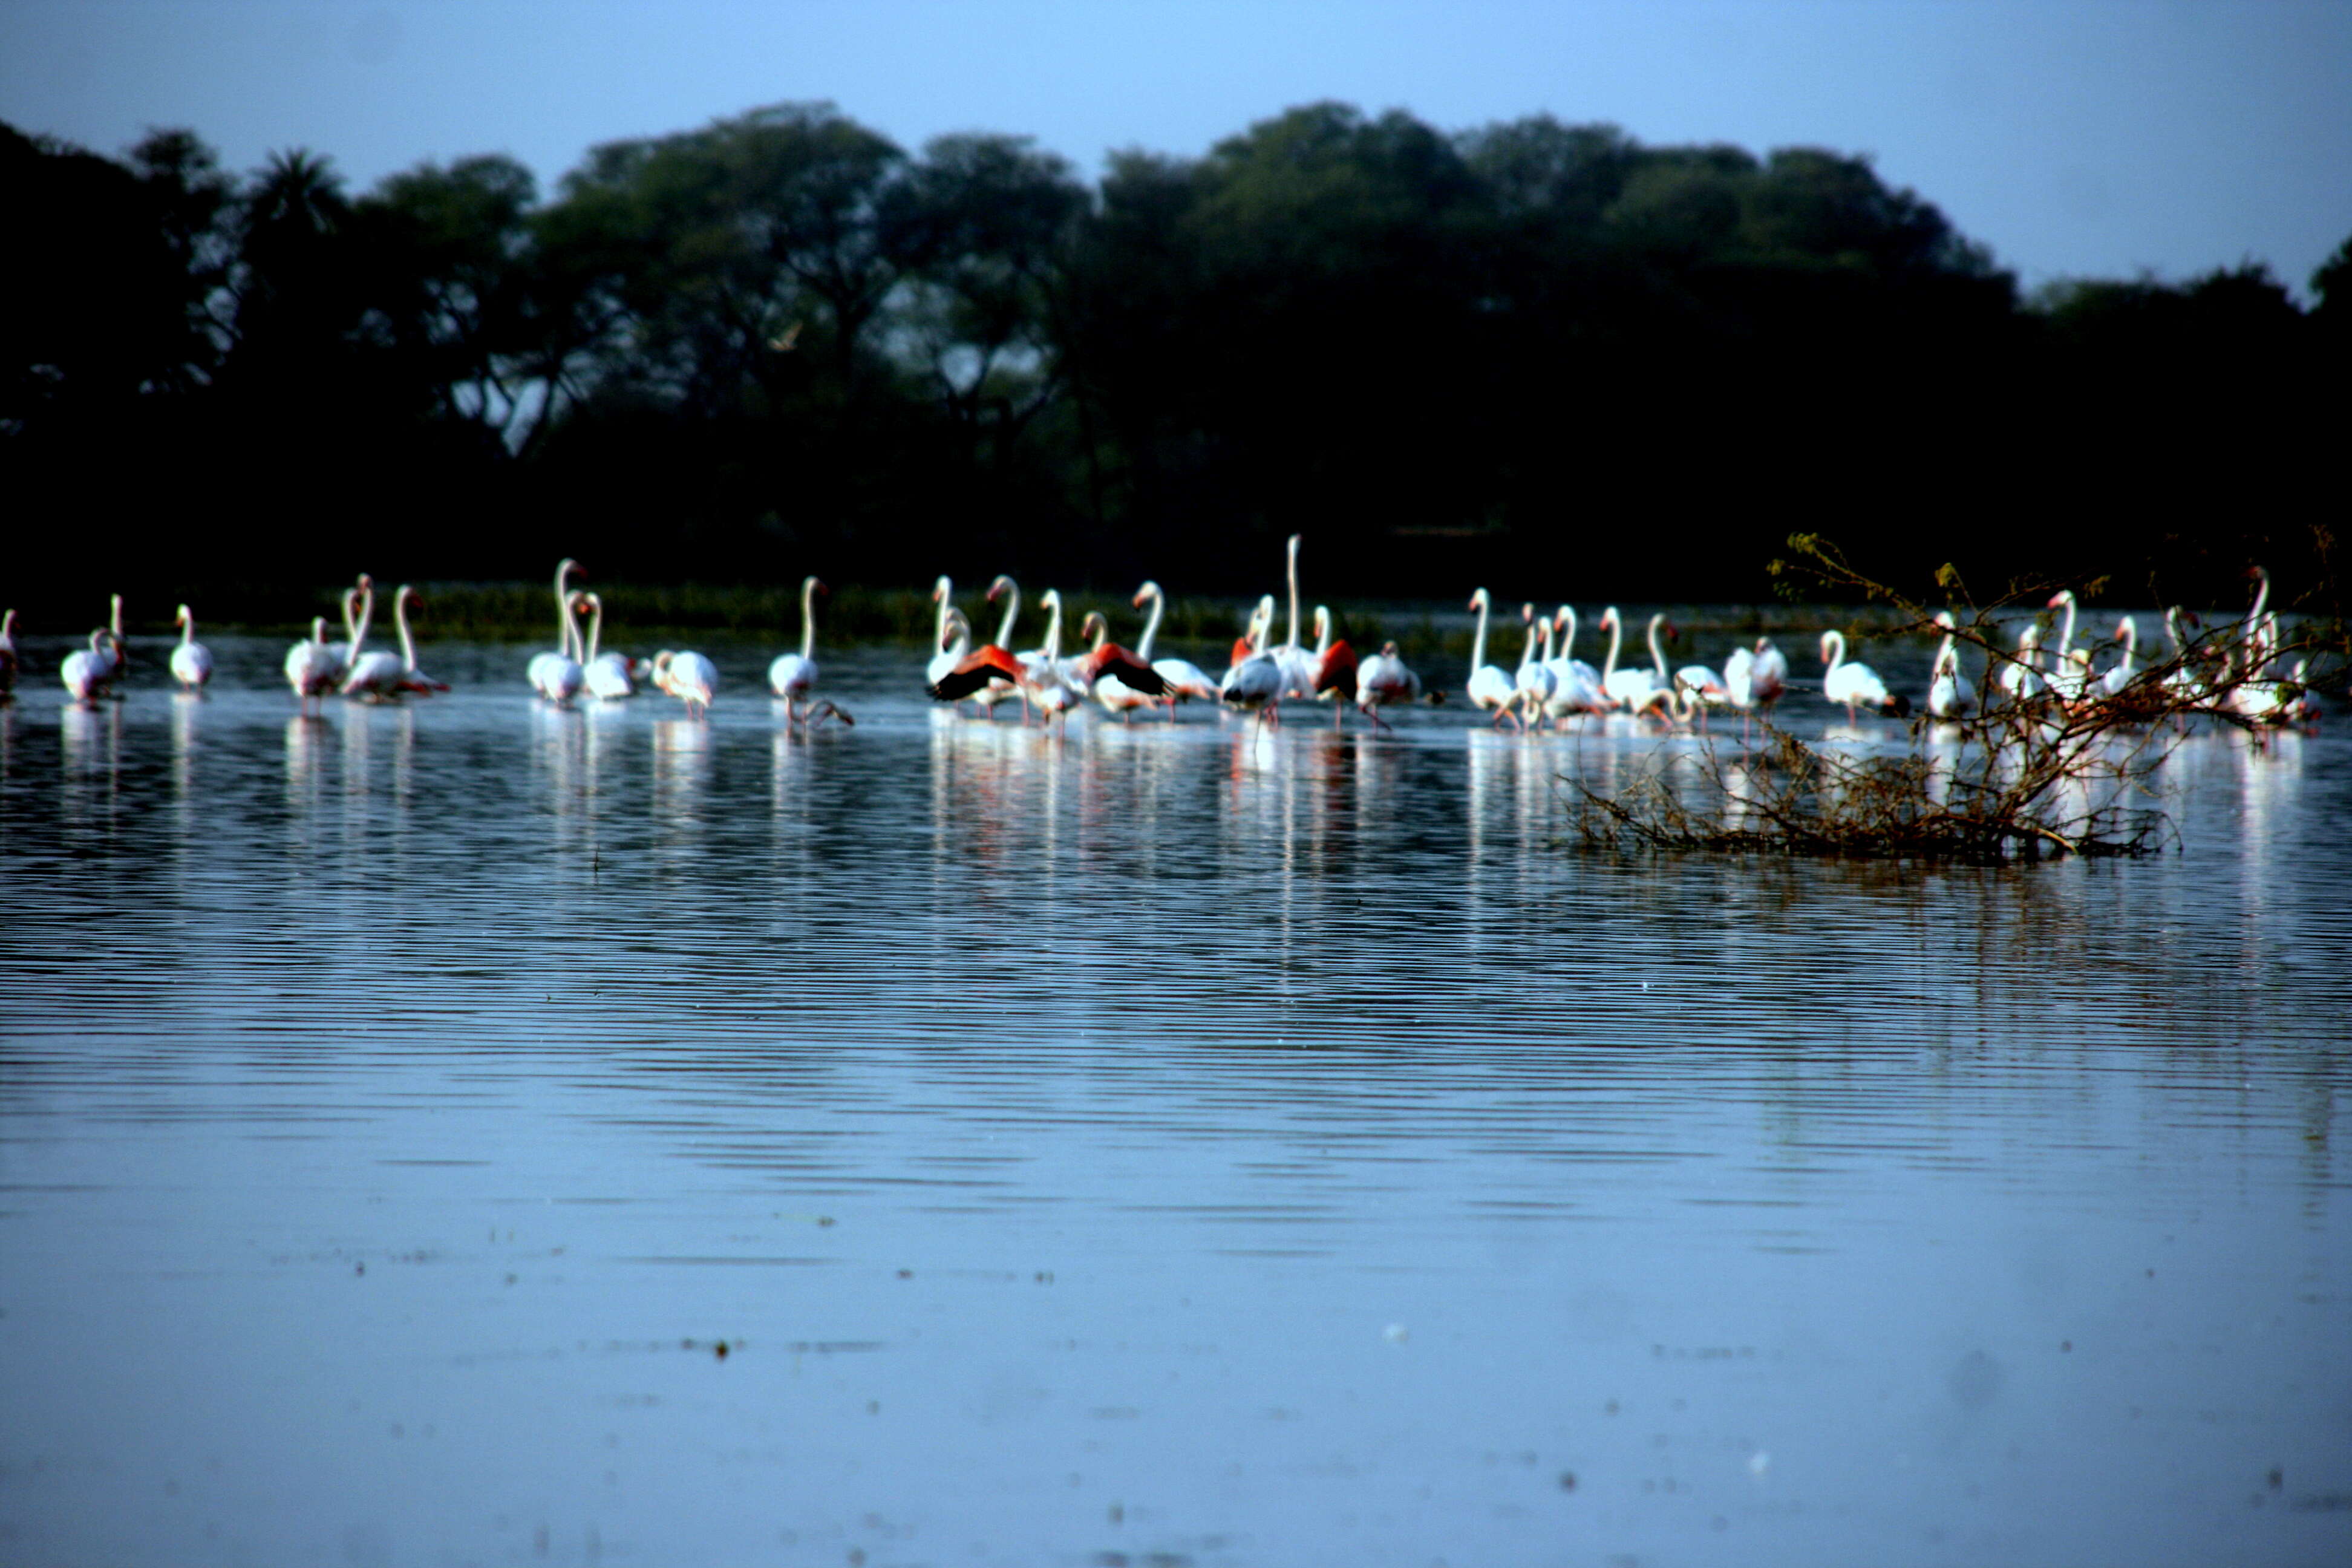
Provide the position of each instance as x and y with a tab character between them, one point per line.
1053	626
1528	654
563	629
1616	625
1012	609
1293	642
1151	624
400	622
945	592
1322	631
1835	641
187	626
1568	637
1657	652
367	615
1478	642
595	631
808	619
2066	636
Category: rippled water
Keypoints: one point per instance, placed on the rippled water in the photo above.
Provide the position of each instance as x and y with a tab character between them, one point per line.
1160	1144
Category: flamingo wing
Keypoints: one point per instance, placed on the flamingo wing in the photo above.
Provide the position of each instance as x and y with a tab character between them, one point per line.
1338	670
983	665
1122	666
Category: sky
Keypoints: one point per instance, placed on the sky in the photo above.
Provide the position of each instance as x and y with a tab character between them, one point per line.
2076	138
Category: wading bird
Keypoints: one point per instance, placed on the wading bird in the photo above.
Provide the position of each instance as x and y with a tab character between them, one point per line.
1854	685
793	676
192	661
557	676
1382	681
1491	689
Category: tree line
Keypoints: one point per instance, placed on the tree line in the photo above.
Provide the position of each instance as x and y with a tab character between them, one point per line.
1528	353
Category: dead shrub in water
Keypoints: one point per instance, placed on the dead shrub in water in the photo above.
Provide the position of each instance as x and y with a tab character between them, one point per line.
2030	764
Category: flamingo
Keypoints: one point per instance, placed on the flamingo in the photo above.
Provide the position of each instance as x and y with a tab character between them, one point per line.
1122	681
2184	682
1637	689
1578	688
1382	679
1490	686
1568	668
311	668
2021	676
1050	680
793	676
2112	683
688	677
381	677
341	652
557	676
998	687
1533	683
2070	666
87	675
1947	698
1335	666
1767	677
192	661
946	654
1186	681
1254	682
108	662
989	669
604	676
1855	685
1298	665
7	653
1707	689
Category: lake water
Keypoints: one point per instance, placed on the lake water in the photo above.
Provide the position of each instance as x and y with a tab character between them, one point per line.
1155	1145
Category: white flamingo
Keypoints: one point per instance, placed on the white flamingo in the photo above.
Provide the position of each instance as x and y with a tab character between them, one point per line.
2112	683
1383	679
1533	683
311	668
793	676
946	652
87	674
1490	688
381	677
607	676
1637	689
1297	665
1767	677
558	675
1854	685
1187	681
2070	668
7	653
2020	676
1000	686
192	661
1051	683
688	677
1254	682
341	652
1947	697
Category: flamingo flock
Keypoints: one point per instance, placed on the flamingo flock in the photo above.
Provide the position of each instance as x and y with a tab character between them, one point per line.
2238	678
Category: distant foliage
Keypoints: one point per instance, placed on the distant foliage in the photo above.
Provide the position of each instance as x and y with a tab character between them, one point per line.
782	341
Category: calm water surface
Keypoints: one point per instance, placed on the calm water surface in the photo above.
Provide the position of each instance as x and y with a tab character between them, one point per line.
1174	1144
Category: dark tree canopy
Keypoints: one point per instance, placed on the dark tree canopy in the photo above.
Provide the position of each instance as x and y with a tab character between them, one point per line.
1528	351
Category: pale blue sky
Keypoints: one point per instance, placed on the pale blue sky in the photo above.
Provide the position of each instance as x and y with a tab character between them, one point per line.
2075	136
